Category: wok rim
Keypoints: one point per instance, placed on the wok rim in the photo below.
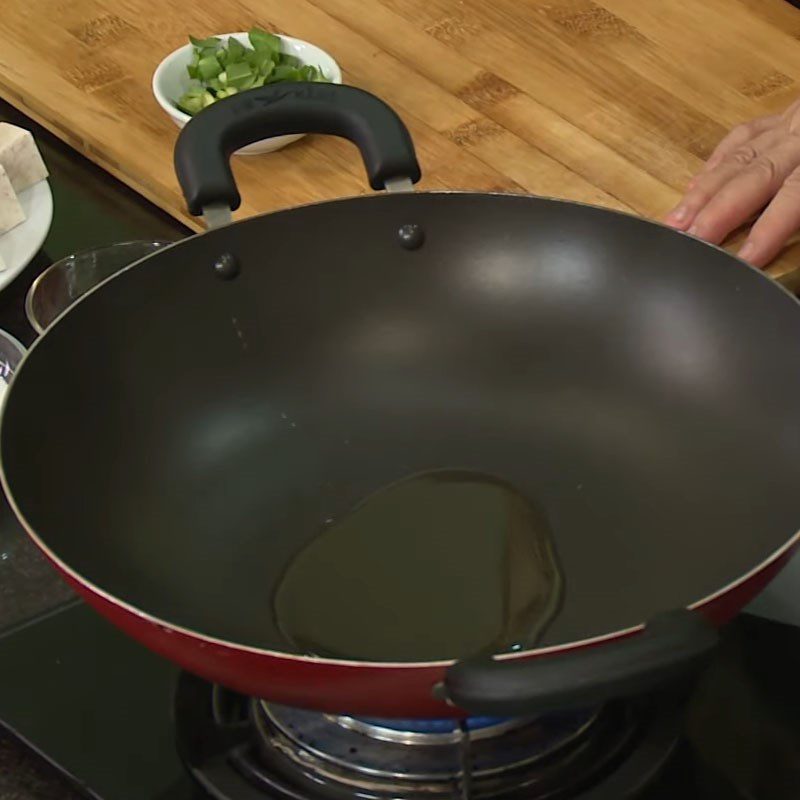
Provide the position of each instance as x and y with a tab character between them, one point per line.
198	637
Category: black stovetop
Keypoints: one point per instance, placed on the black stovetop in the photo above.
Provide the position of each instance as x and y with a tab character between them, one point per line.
99	707
91	209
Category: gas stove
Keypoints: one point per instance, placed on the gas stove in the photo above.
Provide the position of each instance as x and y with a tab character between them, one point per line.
289	753
124	724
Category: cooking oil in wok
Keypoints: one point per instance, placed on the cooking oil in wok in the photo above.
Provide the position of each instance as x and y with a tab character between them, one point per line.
442	564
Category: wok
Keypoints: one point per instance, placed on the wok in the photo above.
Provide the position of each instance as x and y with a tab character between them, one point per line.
180	438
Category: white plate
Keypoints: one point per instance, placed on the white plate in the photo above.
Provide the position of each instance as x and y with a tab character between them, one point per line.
19	245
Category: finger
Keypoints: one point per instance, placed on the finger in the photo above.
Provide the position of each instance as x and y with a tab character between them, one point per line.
739	136
708	184
742	156
774	228
746	193
790	112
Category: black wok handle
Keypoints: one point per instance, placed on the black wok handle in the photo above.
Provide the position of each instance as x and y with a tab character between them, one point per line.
205	145
673	645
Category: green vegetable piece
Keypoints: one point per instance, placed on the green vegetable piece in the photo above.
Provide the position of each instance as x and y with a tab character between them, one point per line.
259	81
284	72
209	68
223	56
261	61
262	40
212	41
307	73
236	51
267	69
289	60
214	85
229	92
195	100
238	74
321	76
191	67
238	71
207	52
195	91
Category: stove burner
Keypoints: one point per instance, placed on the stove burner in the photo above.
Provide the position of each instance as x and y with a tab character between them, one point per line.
243	749
428	731
322	743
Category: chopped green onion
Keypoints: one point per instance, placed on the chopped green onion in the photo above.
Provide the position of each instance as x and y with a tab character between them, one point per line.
212	41
236	50
283	72
262	40
223	68
209	68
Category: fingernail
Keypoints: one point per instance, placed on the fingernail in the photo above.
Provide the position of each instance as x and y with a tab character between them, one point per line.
747	252
694	230
678	215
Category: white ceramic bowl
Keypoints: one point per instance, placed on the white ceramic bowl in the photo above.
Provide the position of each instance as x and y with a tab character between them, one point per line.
170	81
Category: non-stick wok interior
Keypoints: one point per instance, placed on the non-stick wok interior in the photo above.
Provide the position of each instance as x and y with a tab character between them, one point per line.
176	439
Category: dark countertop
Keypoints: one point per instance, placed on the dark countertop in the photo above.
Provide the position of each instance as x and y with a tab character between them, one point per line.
90	209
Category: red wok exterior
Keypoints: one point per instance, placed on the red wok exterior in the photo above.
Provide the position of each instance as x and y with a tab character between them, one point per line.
368	689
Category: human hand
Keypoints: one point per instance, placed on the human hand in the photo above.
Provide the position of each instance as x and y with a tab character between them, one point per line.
755	169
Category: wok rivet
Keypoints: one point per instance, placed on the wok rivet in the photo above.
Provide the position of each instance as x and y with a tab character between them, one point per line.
226	266
411	237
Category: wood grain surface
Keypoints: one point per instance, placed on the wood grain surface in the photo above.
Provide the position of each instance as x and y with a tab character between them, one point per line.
614	102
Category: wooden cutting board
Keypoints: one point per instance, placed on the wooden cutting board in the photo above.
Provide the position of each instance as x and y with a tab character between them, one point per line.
615	102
